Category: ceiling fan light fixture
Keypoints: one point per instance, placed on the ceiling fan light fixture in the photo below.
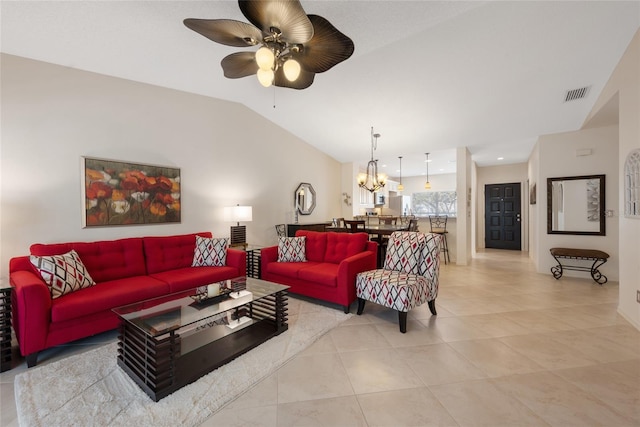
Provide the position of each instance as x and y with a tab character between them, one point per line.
265	58
291	69
265	77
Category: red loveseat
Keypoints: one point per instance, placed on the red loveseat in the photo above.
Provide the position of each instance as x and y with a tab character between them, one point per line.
333	261
125	271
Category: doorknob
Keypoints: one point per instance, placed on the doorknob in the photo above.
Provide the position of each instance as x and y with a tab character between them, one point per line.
518	217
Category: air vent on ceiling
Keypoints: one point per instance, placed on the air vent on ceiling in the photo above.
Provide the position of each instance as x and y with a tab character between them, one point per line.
575	94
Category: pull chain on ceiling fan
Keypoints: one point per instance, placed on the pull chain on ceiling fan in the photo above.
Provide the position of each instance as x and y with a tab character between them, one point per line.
294	46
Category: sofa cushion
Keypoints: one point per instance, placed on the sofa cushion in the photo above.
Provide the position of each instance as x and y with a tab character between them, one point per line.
292	249
186	278
170	252
210	252
325	274
288	269
106	296
316	245
105	260
344	245
63	274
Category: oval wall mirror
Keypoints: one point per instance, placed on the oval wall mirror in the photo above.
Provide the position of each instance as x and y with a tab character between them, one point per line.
305	198
576	205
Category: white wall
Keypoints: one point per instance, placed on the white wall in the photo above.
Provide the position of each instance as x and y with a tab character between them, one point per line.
624	84
52	115
558	159
505	174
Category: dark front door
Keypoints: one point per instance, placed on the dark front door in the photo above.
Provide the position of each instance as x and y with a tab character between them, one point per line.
502	229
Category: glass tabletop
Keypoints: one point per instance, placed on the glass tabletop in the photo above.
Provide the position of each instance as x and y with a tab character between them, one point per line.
168	313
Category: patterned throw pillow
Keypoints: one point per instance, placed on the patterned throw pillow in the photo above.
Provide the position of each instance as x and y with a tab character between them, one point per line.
210	252
292	249
63	274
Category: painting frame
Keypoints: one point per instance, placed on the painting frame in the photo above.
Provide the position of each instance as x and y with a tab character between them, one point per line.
533	194
123	193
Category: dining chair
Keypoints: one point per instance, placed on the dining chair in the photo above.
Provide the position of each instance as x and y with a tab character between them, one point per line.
281	230
404	219
438	225
354	226
338	223
387	220
413	224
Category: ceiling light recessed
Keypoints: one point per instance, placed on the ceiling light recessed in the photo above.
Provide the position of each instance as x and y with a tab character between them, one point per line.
500	158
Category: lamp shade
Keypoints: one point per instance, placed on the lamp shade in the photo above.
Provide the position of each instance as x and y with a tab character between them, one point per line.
238	213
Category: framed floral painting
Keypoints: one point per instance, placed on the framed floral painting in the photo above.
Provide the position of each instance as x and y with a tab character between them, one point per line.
123	193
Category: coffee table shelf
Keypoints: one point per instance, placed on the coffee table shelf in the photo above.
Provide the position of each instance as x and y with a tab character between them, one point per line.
169	342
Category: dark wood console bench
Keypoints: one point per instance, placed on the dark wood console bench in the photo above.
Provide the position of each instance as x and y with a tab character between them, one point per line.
598	258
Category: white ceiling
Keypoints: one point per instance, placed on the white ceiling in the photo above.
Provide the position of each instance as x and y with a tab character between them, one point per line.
429	76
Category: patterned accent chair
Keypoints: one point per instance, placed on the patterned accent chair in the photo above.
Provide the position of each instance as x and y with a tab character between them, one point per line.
409	277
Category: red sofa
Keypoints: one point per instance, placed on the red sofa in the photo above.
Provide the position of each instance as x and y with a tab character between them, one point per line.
125	271
333	261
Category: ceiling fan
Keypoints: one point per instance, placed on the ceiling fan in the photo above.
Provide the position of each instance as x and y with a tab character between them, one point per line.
294	46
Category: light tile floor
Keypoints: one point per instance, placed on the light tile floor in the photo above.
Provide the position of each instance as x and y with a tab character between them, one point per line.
509	347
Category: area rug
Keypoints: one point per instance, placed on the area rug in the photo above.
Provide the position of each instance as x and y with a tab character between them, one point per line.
89	389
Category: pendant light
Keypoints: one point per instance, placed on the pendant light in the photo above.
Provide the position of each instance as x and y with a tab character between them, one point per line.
427	185
400	186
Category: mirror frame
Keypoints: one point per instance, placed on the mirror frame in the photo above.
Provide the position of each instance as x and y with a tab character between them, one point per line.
296	202
601	213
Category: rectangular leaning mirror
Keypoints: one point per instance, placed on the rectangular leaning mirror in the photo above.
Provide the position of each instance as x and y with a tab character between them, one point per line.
575	205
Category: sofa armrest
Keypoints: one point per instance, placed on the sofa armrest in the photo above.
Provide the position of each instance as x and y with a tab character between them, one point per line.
31	301
237	258
268	255
349	268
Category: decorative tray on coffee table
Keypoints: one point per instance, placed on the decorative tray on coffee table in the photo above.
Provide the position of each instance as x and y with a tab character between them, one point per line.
203	299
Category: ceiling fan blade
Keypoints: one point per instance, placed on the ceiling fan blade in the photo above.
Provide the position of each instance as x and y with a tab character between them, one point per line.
239	64
304	80
226	31
327	47
286	15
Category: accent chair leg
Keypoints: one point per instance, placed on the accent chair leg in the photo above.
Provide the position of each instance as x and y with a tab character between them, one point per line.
360	306
346	308
32	359
432	306
402	318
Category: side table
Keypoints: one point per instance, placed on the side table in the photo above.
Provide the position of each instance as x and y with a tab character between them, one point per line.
5	328
253	258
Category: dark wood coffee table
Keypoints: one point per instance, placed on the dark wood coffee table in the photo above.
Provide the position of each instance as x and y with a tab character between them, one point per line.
168	342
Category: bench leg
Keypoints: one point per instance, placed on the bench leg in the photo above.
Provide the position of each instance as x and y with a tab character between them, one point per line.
600	278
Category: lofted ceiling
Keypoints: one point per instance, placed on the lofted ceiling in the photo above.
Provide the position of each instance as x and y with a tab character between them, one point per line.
429	76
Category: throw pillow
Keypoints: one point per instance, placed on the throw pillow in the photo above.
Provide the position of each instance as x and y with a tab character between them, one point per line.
63	274
292	249
210	252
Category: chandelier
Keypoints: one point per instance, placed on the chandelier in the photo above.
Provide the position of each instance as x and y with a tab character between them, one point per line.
372	180
427	185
